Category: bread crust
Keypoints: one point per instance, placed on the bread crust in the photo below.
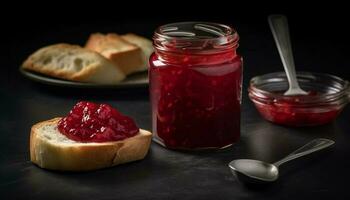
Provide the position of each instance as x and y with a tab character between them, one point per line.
85	156
126	55
137	40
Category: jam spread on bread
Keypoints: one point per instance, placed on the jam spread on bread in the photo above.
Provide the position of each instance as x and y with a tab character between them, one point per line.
90	122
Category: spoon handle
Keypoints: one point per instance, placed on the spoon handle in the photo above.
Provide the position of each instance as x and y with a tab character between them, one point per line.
280	31
313	146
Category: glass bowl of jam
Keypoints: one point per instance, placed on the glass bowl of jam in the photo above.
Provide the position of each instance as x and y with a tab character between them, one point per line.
326	98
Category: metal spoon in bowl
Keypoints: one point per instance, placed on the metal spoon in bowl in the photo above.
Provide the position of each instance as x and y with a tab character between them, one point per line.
255	171
279	27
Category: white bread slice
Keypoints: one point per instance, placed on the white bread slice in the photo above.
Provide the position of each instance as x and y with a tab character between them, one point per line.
72	62
52	150
127	56
144	43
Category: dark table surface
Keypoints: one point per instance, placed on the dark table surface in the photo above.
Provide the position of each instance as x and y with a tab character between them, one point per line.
166	174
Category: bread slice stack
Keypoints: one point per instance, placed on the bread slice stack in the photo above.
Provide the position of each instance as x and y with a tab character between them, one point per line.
105	59
50	149
72	62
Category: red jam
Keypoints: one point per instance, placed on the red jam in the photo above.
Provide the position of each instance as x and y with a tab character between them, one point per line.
327	97
90	122
195	86
293	111
196	106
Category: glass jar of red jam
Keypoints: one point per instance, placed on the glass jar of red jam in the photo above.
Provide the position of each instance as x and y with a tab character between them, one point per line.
195	85
326	98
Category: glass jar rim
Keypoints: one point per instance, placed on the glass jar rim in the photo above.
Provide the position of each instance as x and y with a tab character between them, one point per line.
195	36
341	96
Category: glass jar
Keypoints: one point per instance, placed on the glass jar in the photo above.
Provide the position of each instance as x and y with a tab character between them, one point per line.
195	85
326	98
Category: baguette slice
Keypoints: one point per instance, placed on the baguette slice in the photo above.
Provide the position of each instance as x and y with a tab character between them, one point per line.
127	56
72	62
52	150
144	43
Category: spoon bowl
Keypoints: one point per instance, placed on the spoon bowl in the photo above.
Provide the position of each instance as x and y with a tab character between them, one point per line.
257	171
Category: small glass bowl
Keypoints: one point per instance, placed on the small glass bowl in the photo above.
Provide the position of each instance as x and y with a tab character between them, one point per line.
327	97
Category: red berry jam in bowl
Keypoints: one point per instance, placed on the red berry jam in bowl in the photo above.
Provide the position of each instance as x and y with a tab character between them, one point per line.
327	96
90	122
195	86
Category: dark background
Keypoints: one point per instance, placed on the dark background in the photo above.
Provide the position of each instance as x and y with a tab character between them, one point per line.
320	41
317	27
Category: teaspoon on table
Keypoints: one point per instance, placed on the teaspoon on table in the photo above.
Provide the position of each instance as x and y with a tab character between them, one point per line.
280	31
255	171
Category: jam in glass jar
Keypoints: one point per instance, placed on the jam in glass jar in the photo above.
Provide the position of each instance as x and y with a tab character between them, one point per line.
195	85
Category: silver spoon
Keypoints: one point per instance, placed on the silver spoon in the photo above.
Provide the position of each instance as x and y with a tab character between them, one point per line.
255	171
280	31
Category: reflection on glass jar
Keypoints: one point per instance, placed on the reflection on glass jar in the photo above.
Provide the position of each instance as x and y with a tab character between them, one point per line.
195	86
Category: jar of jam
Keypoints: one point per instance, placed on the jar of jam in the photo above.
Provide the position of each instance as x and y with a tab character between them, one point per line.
195	85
